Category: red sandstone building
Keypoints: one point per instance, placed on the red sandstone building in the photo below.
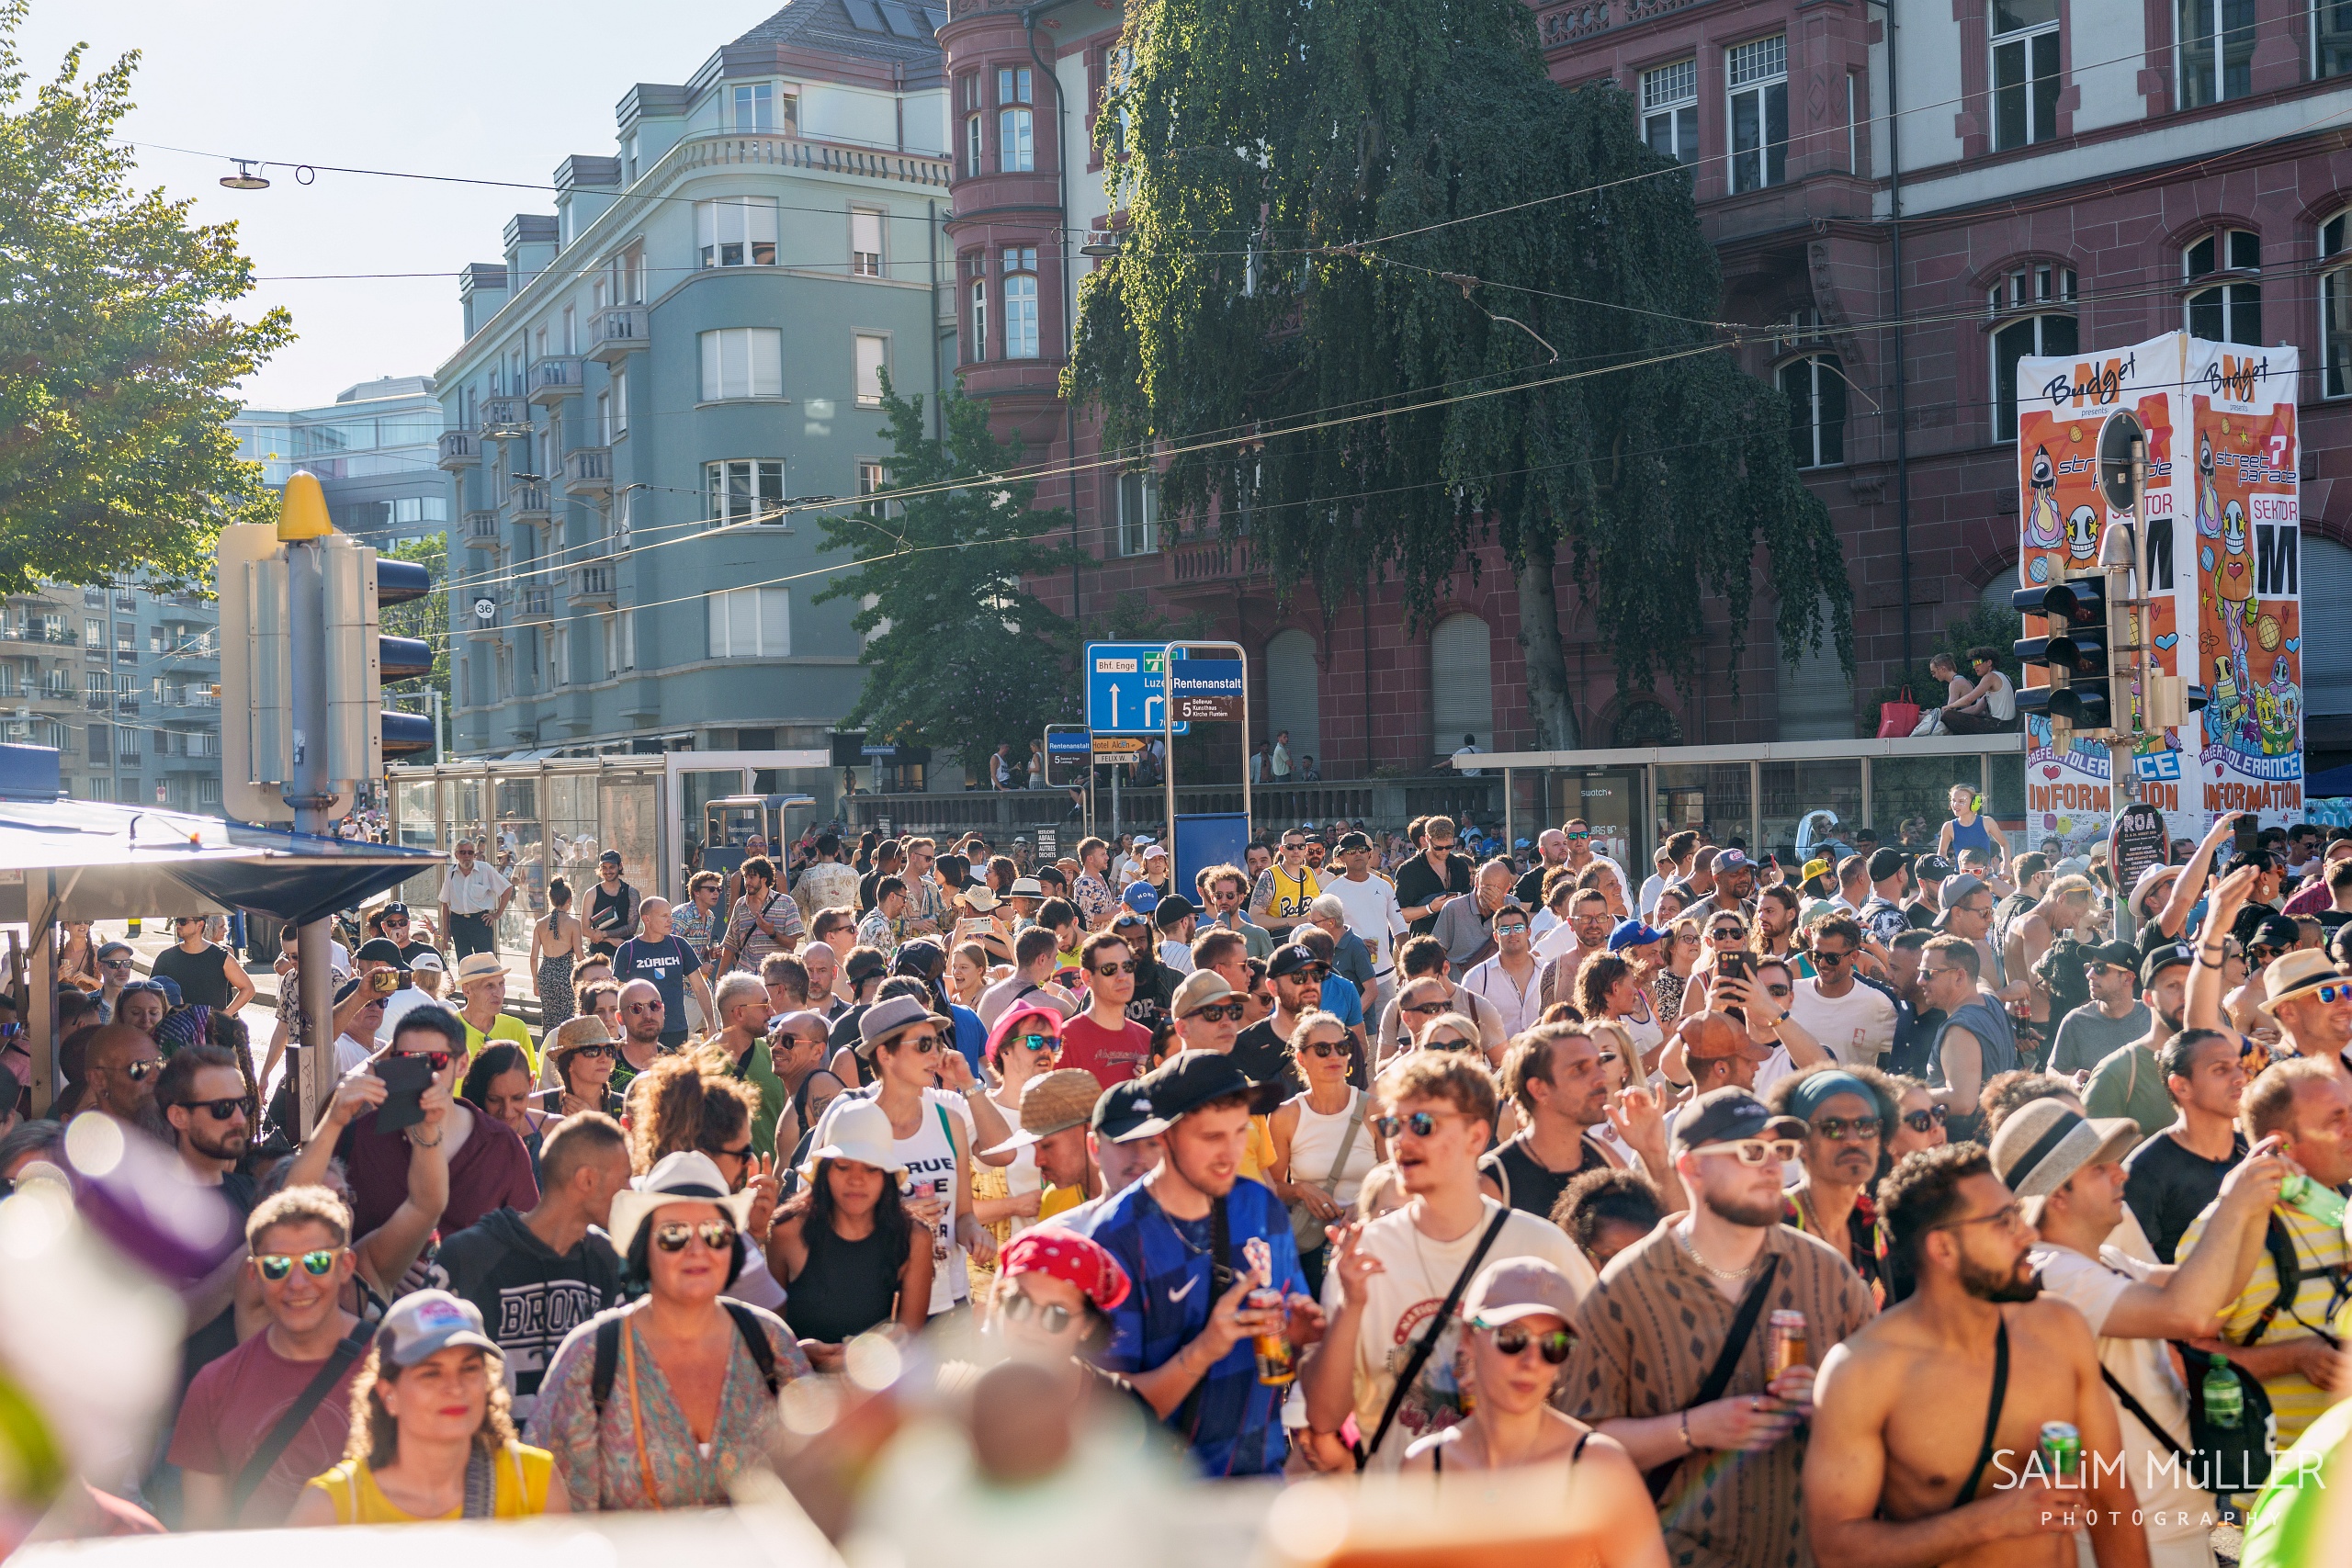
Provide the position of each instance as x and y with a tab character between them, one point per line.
2009	176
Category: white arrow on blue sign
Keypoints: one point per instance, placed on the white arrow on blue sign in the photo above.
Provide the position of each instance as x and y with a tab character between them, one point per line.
1127	689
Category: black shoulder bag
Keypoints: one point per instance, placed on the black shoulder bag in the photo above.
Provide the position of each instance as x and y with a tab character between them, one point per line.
1186	1417
1735	1338
1428	1341
349	1348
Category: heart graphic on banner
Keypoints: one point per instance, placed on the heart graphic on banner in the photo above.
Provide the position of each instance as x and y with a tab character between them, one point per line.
2049	771
2166	640
2294	645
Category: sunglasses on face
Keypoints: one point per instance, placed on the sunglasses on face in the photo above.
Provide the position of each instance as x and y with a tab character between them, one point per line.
276	1265
1514	929
1778	991
1125	966
1921	1120
643	1007
920	1044
1421	1123
1038	1043
1424	1008
1019	1308
219	1109
1325	1048
141	1072
114	963
1445	1043
1829	955
716	1235
1727	933
742	1154
592	1051
1220	1012
1756	1151
1839	1128
1317	973
2328	995
1512	1339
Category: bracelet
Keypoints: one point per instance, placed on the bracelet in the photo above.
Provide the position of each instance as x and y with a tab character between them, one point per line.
419	1143
1688	1446
2215	965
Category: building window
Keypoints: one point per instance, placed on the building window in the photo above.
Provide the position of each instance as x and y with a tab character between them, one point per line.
2024	71
980	311
1670	110
736	230
620	406
2216	51
873	360
1815	388
967	98
2230	310
743	490
2331	38
1021	302
873	478
605	418
1138	513
559	655
1758	74
2336	305
756	108
2047	332
1016	140
743	362
865	244
751	623
126	743
619	632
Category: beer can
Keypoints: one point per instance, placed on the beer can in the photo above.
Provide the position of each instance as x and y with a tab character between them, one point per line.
1785	1344
2062	1453
1277	1357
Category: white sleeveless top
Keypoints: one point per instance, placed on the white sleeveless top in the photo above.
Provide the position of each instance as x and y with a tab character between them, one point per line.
1315	1144
930	1159
1021	1176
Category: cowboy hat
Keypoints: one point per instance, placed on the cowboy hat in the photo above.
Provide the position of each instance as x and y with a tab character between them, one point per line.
688	1176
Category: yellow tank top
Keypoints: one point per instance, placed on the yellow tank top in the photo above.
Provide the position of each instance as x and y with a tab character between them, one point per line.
519	1489
1292	895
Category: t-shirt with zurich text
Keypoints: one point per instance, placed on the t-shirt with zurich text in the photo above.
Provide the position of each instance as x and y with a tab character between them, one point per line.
234	1403
666	964
1112	1058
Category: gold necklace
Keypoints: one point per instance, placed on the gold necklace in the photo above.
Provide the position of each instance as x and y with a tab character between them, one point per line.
1692	1249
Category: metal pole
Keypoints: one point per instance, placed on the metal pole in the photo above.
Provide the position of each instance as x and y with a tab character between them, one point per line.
1168	752
1115	803
309	794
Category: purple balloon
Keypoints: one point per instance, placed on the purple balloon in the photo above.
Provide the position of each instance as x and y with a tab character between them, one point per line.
132	1190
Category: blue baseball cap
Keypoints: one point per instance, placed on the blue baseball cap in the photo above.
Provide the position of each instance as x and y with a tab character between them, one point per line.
1632	932
1142	898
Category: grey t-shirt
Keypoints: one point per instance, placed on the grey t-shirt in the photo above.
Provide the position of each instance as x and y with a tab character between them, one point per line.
2087	1037
1466	930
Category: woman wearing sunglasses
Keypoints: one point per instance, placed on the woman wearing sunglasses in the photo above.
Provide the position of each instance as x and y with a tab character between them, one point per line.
580	1054
690	1379
1682	949
1023	1046
845	1247
1919	1121
685	1103
432	1430
1323	1146
1725	930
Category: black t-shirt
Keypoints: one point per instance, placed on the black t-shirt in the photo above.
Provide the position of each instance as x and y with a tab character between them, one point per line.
409	950
1417	883
1529	890
1528	1184
2167	1186
1918	916
202	975
210	1341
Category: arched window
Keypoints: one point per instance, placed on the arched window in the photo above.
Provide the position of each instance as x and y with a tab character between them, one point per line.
1462	684
2327	660
2336	306
1816	700
2230	309
1646	721
1292	700
2033	306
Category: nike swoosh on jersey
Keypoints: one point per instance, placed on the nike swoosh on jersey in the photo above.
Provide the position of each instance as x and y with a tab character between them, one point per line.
1177	1295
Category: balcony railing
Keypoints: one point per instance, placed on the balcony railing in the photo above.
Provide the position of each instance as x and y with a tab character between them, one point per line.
587	470
552	380
483	532
33	631
615	332
801	152
1203	562
127	704
504	418
460	449
530	503
591	586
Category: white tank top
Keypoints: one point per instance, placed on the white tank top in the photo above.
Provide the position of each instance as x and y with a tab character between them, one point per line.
1020	1176
1315	1144
930	1159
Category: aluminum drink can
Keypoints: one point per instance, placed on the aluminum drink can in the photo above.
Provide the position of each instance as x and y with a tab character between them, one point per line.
1785	1344
2062	1453
1277	1357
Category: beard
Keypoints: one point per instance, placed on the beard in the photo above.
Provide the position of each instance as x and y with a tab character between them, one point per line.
231	1147
2172	1021
1757	1212
1999	1285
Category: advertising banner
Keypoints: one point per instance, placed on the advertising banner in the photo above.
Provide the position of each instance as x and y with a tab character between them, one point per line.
2220	545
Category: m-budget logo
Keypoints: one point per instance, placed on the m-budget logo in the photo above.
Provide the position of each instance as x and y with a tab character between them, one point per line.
2096	384
2235	376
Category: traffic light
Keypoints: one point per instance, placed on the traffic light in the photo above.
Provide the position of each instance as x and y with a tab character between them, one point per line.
2075	648
261	671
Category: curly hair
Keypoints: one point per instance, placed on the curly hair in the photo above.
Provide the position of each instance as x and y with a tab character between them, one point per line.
1599	977
375	1438
684	1102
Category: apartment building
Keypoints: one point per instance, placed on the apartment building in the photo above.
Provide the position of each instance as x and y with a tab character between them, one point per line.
375	451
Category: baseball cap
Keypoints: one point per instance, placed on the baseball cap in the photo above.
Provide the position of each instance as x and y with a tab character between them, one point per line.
395	909
1732	860
1726	1115
1290	960
1053	1103
1632	932
1348	841
614	856
380	950
2274	930
1955	889
1121	1111
1141	897
865	965
1817	866
428	959
1184	1083
2166	955
2123	955
1199	988
2044	1143
1884	864
1931	868
1511	1287
424	1323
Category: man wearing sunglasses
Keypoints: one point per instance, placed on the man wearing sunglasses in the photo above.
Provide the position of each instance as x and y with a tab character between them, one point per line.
114	962
1390	1276
298	1260
1976	1044
1262	1051
2113	1018
1855	1021
119	1065
1650	1333
1921	1451
1226	889
1847	1113
1105	1041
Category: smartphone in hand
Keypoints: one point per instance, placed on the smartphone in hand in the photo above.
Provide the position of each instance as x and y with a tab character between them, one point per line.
405	1081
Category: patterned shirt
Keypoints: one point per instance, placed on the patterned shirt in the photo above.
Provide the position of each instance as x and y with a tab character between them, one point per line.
1646	1335
751	944
1096	902
878	930
696	926
598	1459
1234	1425
829	884
926	900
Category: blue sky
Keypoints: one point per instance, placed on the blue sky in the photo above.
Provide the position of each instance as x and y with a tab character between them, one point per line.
430	87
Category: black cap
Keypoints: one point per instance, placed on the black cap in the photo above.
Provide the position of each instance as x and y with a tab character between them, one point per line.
1290	960
381	950
2123	955
612	855
1117	1116
1184	1083
1348	841
1721	1116
2167	955
394	907
1932	868
2274	930
1885	863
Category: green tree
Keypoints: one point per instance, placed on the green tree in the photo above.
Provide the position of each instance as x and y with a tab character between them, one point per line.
1369	407
117	355
426	619
959	655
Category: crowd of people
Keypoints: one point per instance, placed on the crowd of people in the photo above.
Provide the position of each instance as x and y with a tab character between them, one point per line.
1365	1153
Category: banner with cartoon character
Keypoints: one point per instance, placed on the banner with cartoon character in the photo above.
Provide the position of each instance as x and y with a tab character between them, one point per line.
2063	403
2241	401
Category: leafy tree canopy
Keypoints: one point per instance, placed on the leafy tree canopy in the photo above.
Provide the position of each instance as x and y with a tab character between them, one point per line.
959	655
1297	272
117	355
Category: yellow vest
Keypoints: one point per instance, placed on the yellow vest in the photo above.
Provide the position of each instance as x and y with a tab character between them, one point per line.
518	1489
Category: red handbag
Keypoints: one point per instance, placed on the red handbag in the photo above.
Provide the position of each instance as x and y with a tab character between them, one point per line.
1898	718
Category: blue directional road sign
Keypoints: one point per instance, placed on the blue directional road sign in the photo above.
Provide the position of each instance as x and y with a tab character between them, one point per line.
1068	742
1126	688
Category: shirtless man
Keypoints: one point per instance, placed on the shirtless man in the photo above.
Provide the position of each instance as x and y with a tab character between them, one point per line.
1895	1481
2062	907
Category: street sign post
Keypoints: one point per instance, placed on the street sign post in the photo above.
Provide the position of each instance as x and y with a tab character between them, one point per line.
1118	748
1212	683
1208	689
1126	688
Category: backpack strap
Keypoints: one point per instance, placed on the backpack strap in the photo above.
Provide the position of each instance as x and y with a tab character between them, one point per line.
755	1341
1726	1364
1992	1414
2286	1266
1428	1341
607	1361
347	1349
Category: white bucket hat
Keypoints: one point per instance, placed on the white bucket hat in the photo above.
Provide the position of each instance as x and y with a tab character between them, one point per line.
859	1130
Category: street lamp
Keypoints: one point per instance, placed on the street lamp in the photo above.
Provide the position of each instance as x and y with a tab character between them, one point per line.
244	178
